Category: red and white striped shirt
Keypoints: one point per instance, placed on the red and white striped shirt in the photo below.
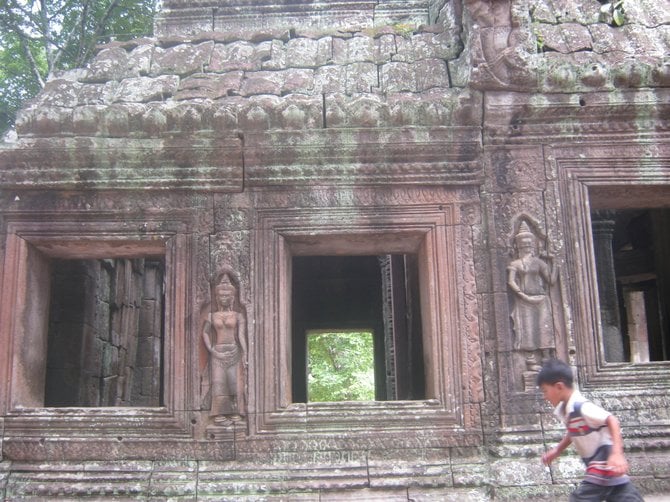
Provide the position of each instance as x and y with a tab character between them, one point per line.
587	427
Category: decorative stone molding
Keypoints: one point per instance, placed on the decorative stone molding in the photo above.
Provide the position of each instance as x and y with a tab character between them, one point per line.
428	229
179	17
614	177
515	118
33	431
182	163
363	156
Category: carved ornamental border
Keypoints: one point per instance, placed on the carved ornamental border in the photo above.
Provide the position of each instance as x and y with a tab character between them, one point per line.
429	230
615	177
34	431
178	17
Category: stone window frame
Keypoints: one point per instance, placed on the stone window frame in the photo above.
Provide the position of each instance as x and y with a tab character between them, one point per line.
30	241
593	182
430	231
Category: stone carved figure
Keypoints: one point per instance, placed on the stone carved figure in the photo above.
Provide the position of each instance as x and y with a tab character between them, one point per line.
224	335
530	278
502	51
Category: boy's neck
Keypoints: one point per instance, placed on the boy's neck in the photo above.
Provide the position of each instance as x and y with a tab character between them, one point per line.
566	395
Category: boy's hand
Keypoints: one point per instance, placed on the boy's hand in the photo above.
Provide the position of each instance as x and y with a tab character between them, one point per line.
550	456
618	463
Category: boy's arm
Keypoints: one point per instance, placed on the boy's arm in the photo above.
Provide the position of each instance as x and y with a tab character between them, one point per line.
616	461
552	454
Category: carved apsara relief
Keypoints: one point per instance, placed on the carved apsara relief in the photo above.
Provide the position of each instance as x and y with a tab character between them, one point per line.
224	336
532	277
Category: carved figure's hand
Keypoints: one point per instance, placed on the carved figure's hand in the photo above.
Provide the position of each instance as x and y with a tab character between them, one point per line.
535	299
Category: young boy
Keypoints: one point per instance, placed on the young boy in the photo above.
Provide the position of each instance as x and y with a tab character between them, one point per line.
594	432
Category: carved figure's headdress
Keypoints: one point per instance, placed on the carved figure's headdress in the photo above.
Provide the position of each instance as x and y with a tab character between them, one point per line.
225	283
523	232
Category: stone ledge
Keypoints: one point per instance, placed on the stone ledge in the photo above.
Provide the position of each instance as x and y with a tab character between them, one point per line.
123	164
181	17
369	156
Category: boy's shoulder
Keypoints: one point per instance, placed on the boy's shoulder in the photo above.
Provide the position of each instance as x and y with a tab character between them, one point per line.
589	410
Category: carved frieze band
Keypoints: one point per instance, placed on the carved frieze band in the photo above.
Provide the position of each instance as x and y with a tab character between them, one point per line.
123	164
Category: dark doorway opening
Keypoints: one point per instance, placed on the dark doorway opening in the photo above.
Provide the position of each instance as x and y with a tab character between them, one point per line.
637	312
373	294
105	333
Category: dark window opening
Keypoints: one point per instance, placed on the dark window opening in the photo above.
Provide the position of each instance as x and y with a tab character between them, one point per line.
632	248
374	294
105	333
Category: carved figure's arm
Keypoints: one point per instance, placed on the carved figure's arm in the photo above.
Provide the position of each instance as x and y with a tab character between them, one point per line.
242	337
205	333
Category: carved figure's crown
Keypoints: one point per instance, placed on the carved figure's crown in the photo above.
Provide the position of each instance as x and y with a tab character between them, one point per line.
225	283
524	231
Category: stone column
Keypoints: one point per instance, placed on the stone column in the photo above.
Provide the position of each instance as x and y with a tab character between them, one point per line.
603	231
637	326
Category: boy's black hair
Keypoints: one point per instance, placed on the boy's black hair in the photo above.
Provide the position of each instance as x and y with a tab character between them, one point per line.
554	371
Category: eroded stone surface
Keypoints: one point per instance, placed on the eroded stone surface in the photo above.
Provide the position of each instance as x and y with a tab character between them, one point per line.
426	127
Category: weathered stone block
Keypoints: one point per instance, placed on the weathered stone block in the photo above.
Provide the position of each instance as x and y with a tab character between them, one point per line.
145	89
565	38
510	472
262	82
182	59
444	45
236	56
330	79
139	59
567	469
274	55
354	50
448	494
431	74
95	94
309	53
360	78
109	64
174	479
398	77
60	92
208	86
477	475
298	81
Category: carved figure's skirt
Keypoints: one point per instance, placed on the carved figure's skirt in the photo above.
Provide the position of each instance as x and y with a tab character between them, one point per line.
225	356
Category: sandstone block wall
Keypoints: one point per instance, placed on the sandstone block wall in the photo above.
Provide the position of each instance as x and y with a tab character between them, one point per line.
242	136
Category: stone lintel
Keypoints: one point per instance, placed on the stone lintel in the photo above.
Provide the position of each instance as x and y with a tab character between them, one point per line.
84	163
364	157
564	117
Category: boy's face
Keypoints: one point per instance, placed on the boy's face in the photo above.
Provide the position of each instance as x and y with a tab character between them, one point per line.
554	392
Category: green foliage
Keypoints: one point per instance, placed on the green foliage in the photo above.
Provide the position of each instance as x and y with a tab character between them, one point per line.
341	367
403	29
16	83
613	13
539	41
41	37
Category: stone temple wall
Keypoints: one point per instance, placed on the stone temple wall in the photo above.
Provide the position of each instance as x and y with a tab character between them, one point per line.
461	134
